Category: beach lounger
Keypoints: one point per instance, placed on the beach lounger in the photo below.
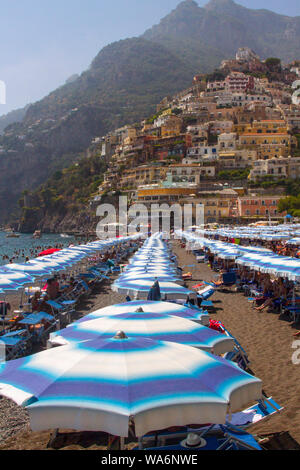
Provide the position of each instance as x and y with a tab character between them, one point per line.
39	325
236	439
79	290
206	291
242	420
63	309
229	279
293	311
206	304
230	438
17	344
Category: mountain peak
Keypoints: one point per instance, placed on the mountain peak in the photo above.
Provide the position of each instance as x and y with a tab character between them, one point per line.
191	4
220	4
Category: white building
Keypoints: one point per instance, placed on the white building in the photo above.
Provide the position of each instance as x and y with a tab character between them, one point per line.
279	167
227	141
200	154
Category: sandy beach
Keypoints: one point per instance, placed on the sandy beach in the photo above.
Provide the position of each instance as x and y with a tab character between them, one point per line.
266	337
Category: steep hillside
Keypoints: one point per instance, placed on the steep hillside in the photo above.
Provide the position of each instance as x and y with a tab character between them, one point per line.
16	115
124	83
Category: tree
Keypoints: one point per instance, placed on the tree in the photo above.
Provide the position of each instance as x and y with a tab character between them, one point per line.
273	64
290	204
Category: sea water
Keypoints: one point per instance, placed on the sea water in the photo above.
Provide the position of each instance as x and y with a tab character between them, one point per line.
18	249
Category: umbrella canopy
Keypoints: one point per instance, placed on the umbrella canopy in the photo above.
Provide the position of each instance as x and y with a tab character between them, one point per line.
167	308
7	285
141	288
50	251
33	269
160	276
153	325
18	277
99	385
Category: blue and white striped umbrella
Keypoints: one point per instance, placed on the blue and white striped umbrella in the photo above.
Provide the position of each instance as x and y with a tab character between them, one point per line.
166	308
33	269
293	241
153	325
141	287
18	277
100	385
134	275
8	285
151	268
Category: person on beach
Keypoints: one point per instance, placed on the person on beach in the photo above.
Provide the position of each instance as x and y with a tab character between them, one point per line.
36	302
275	292
52	289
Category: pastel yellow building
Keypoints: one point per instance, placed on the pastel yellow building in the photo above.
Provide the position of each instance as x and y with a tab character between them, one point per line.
219	207
267	126
267	145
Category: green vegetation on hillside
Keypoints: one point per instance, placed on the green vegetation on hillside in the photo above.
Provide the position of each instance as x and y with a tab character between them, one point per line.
241	174
67	190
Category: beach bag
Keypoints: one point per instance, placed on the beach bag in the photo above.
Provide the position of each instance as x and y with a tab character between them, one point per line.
216	325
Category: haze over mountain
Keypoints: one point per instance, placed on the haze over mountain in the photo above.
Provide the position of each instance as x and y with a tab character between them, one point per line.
16	115
212	33
127	79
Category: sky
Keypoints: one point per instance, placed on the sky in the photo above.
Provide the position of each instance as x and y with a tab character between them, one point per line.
43	42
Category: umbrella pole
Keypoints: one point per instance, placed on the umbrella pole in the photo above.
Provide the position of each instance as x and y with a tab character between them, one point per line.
140	441
122	443
21	301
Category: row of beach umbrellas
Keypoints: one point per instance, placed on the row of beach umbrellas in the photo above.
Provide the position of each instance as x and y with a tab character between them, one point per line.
281	233
14	277
256	258
146	363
